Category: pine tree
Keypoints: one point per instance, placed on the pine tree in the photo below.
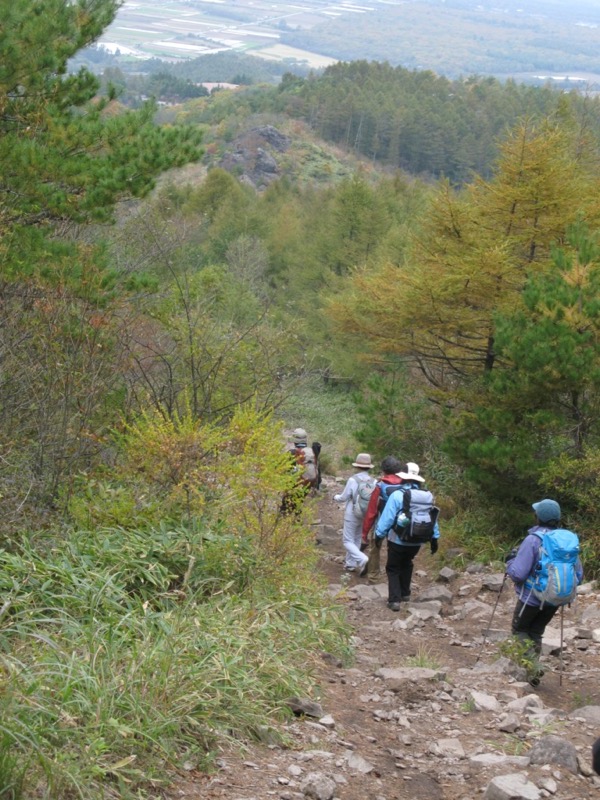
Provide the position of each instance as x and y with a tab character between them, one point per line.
68	157
544	403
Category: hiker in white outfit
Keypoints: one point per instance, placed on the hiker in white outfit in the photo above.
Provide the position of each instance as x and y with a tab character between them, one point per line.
352	535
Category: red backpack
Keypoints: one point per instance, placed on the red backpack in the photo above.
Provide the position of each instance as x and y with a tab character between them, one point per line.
307	462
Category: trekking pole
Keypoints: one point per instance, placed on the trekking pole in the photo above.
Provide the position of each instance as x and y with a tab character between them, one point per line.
487	630
562	619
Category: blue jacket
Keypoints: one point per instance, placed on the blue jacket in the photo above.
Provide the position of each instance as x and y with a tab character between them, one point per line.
524	563
391	511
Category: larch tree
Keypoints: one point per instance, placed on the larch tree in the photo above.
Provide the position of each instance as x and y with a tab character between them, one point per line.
470	261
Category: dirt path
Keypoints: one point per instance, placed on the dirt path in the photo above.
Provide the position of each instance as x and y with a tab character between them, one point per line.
418	715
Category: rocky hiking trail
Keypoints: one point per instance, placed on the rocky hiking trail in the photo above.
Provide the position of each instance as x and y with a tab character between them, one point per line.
425	712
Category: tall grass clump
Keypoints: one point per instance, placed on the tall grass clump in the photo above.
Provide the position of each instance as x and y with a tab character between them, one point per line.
127	652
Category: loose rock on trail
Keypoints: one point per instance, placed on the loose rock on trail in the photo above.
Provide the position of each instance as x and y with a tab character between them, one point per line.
425	712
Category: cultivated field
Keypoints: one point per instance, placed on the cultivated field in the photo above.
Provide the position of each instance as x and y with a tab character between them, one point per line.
174	29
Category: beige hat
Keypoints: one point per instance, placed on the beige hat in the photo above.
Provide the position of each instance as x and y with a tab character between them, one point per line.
411	473
299	435
363	460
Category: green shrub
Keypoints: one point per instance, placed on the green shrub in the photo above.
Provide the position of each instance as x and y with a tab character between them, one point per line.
96	503
329	416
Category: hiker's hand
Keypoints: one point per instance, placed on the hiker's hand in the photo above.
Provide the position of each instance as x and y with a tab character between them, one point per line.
434	546
509	556
363	545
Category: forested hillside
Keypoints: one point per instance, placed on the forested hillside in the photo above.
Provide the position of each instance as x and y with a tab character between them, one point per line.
159	336
418	121
412	120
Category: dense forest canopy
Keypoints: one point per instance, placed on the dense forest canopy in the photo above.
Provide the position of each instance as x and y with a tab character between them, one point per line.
418	121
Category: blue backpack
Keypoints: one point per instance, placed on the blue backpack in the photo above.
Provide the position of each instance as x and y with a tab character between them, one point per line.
554	579
386	490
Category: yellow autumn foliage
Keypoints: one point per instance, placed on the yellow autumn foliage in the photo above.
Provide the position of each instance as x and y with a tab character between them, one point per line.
471	258
230	476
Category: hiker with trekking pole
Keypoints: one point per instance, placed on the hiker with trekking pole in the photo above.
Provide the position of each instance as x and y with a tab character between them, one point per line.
546	571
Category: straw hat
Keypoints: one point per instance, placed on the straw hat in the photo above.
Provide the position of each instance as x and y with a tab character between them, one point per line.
363	460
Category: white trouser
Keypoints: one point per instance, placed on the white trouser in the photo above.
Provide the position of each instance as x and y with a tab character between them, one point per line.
352	537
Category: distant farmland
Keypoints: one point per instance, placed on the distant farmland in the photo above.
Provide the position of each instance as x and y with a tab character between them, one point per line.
174	29
538	41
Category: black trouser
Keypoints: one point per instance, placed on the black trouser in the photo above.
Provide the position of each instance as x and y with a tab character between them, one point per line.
399	569
529	623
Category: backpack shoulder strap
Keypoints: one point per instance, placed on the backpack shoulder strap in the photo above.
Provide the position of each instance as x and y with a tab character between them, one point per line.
406	501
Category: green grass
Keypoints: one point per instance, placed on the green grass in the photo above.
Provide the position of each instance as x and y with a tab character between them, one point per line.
329	416
519	652
468	706
114	672
424	657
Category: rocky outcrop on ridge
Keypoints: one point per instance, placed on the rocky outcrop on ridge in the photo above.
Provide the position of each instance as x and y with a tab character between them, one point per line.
251	156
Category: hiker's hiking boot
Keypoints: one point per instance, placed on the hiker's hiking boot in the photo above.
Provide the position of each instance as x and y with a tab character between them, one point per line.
394	606
535	676
362	571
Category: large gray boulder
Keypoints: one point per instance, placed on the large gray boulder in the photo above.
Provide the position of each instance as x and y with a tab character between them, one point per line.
591	714
554	750
512	787
318	786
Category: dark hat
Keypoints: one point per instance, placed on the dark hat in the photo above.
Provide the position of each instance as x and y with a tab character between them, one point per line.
547	510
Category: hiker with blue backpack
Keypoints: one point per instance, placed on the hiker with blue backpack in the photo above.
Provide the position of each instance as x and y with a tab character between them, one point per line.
546	571
408	520
388	483
356	495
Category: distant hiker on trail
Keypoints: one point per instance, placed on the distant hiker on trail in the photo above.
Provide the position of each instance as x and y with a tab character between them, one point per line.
388	483
304	463
316	447
546	571
356	495
408	520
